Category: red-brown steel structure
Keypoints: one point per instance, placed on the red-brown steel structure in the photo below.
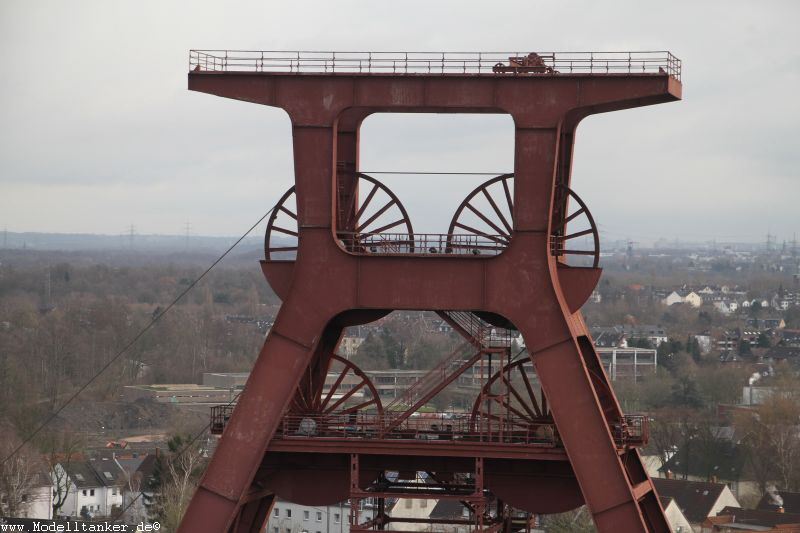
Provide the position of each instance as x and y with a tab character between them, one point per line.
546	433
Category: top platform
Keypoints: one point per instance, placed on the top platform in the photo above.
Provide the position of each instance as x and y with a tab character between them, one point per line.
438	63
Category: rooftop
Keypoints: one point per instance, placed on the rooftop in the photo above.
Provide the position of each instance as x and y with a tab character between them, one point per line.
695	499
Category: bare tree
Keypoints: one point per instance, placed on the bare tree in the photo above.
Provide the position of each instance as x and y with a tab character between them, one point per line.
18	475
178	475
772	440
61	448
576	521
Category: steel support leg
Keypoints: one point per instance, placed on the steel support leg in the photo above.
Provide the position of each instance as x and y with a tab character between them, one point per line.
222	495
618	500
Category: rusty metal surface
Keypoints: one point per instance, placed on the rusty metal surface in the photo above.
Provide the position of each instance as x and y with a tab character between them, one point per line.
327	287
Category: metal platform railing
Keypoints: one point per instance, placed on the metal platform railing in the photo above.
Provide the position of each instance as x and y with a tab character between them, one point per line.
422	244
631	431
494	63
483	333
431	427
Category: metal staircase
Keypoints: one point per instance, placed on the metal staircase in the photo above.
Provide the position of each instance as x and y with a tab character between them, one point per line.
481	338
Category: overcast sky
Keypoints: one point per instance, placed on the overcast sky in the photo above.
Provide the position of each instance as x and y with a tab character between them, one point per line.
99	131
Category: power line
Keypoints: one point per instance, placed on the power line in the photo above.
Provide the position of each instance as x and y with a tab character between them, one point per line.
133	341
437	173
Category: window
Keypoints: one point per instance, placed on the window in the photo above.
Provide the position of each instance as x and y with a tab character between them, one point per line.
288	513
319	516
337	518
409	502
305	515
423	503
275	530
276	512
114	491
83	492
91	492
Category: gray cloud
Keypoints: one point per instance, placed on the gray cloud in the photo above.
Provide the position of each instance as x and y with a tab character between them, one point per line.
99	130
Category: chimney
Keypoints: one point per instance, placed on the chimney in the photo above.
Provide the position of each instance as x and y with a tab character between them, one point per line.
668	474
780	509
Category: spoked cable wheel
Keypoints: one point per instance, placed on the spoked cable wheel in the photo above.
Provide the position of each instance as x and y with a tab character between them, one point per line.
510	398
351	392
378	223
573	220
280	242
483	223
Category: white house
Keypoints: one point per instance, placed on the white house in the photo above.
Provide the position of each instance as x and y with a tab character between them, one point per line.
288	517
40	501
695	500
37	502
93	487
672	298
675	518
725	307
683	297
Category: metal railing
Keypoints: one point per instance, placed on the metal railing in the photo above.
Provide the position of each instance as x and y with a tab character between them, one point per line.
495	63
220	414
486	335
631	431
422	244
430	427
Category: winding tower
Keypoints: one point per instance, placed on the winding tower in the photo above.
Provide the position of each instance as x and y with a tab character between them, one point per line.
546	433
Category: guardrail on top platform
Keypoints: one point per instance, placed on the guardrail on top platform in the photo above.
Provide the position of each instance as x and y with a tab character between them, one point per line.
498	63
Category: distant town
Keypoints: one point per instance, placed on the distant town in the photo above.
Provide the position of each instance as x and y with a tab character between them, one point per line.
701	339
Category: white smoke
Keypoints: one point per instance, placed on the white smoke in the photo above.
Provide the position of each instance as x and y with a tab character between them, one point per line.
755	377
774	497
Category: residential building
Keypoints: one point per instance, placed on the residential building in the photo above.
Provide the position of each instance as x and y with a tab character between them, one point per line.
288	517
349	346
721	461
655	334
763	324
624	335
683	297
608	338
37	502
677	521
94	487
696	500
